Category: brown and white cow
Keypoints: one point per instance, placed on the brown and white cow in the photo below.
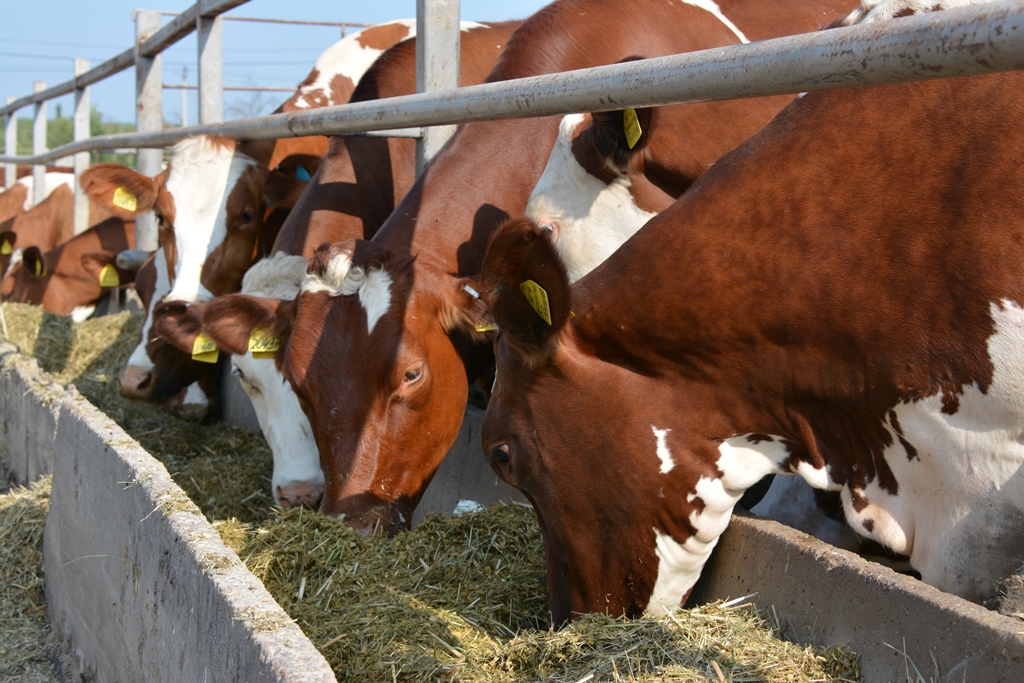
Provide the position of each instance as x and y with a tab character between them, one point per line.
12	201
374	351
803	309
356	188
70	279
45	225
221	203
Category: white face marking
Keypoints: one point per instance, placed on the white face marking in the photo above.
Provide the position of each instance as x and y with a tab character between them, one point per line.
139	358
343	279
202	177
664	454
16	257
593	217
713	8
285	426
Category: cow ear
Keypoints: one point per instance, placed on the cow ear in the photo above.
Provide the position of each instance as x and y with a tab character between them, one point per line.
32	260
179	323
463	309
524	284
122	191
286	182
231	320
8	238
102	265
621	134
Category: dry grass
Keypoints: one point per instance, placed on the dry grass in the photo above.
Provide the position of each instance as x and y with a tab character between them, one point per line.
90	356
464	599
23	628
458	599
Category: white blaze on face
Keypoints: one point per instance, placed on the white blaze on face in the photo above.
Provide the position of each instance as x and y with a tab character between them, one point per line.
343	279
713	8
203	175
593	217
139	358
195	396
284	424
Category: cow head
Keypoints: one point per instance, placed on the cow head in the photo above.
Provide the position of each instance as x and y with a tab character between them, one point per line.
297	478
373	359
628	496
215	205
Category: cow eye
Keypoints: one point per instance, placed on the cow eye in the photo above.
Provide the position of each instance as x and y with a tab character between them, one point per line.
413	374
500	454
246	216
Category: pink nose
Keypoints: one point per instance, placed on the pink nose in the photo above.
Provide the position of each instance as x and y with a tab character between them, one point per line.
296	493
136	383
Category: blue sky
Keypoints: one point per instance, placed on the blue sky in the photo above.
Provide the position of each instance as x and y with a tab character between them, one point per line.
38	41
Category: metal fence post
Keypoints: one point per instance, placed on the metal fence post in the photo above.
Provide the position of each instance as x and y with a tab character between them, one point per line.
39	146
148	117
209	44
82	132
437	65
11	146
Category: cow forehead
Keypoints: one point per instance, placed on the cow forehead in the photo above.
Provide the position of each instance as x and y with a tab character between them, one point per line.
341	278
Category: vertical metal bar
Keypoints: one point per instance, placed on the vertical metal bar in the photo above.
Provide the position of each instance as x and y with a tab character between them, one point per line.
209	41
11	146
39	146
82	132
437	65
148	117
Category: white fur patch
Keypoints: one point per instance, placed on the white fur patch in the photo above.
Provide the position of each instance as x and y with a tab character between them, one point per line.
664	454
81	313
344	279
52	180
139	358
594	218
203	175
276	277
883	10
195	396
712	7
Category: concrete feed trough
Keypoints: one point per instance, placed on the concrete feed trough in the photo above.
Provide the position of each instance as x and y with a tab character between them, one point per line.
140	586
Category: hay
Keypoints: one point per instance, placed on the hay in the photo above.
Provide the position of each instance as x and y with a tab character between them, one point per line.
465	599
225	470
23	629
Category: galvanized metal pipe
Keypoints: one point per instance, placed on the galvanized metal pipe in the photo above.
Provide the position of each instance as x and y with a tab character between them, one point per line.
957	42
11	147
82	132
39	147
437	65
157	43
148	116
210	48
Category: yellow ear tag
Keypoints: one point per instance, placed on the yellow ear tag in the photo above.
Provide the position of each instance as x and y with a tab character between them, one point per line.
6	249
109	277
631	125
204	349
40	270
263	345
485	328
124	199
538	299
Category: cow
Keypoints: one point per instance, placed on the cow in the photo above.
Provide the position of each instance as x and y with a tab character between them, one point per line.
801	310
221	203
375	348
358	186
45	225
72	277
12	201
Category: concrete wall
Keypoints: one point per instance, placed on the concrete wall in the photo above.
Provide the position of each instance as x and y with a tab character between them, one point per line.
139	586
823	595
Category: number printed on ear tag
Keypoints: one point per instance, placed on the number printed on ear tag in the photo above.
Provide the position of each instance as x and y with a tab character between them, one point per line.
263	345
204	349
